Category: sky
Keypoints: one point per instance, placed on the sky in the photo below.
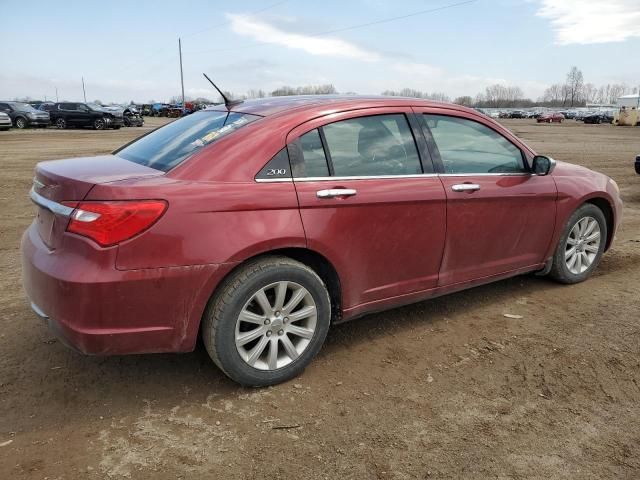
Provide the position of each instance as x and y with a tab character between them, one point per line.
129	50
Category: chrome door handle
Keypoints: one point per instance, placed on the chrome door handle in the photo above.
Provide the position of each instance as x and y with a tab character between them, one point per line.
336	192
465	187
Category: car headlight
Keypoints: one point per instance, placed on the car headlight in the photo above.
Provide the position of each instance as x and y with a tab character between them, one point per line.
31	115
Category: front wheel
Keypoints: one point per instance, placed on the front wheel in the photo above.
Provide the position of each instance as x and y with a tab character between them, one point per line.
267	321
581	245
99	124
61	123
21	122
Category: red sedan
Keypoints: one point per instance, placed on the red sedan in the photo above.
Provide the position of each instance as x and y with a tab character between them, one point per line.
550	117
259	226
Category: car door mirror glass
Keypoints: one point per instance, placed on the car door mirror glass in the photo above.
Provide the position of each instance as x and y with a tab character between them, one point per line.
542	165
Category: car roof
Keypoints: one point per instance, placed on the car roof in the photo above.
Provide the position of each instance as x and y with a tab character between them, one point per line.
275	105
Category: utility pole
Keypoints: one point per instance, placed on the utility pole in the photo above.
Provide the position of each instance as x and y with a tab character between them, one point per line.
83	91
184	107
57	95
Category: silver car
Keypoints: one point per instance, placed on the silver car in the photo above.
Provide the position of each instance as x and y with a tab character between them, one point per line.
5	121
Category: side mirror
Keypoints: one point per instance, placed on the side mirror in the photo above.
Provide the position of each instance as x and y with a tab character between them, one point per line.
542	165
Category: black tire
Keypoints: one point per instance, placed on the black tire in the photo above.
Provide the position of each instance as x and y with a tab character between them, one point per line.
219	321
21	123
99	124
61	123
559	269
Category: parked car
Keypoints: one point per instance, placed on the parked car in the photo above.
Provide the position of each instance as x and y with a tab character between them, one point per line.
550	117
637	164
5	121
260	225
24	115
72	114
599	117
518	114
46	106
132	117
569	114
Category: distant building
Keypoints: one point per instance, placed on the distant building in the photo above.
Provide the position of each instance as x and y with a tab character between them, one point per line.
628	100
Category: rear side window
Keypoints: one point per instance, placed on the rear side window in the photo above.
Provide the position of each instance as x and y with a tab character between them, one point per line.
372	146
167	147
466	146
376	145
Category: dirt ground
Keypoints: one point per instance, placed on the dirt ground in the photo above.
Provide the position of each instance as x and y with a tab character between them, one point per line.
449	388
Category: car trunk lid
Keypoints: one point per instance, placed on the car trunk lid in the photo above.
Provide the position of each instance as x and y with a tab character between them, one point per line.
58	184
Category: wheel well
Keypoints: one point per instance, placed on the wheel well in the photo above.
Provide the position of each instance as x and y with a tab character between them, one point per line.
317	263
325	270
604	205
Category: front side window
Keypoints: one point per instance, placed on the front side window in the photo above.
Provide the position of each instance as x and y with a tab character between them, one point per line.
467	146
170	145
372	146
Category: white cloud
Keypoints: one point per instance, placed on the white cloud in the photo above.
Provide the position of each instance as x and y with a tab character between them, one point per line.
592	21
267	33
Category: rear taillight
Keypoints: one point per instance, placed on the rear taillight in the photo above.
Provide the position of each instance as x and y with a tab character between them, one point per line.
109	223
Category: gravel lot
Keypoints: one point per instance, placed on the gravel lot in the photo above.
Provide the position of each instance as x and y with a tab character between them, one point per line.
448	388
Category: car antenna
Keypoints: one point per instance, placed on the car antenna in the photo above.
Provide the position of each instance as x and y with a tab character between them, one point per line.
227	101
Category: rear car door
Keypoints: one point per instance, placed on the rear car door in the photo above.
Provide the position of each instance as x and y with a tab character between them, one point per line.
370	202
500	217
82	115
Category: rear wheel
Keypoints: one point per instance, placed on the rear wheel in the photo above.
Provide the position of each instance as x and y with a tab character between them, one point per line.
61	123
267	321
21	122
581	246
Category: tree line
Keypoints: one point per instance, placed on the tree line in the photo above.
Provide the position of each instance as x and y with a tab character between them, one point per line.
573	92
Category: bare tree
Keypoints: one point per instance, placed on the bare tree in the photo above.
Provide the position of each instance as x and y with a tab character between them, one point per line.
575	83
465	100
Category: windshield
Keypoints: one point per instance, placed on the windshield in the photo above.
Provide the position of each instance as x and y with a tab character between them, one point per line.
170	145
23	107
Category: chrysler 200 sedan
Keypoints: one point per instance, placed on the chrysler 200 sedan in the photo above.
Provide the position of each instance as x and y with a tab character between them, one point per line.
259	225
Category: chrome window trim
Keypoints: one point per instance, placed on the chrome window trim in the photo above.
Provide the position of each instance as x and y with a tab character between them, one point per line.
50	205
510	174
390	177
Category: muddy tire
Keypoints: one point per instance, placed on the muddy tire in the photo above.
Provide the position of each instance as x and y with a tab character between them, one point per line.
581	245
267	321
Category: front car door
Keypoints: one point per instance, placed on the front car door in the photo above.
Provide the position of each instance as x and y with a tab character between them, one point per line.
500	217
370	203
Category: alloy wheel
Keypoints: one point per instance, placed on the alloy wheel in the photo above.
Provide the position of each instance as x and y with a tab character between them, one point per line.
583	244
276	325
20	123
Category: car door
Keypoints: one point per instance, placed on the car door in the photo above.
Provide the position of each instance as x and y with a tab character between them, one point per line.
500	217
83	115
370	202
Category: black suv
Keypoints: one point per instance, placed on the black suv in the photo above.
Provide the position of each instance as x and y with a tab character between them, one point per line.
24	115
67	114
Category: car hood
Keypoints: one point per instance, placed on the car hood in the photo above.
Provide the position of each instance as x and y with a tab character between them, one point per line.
565	169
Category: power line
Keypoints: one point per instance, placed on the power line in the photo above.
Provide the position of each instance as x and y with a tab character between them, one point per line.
351	27
226	22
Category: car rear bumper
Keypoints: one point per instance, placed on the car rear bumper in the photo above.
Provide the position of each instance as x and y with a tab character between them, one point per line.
96	309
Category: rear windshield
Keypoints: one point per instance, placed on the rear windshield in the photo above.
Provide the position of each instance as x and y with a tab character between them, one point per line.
165	148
